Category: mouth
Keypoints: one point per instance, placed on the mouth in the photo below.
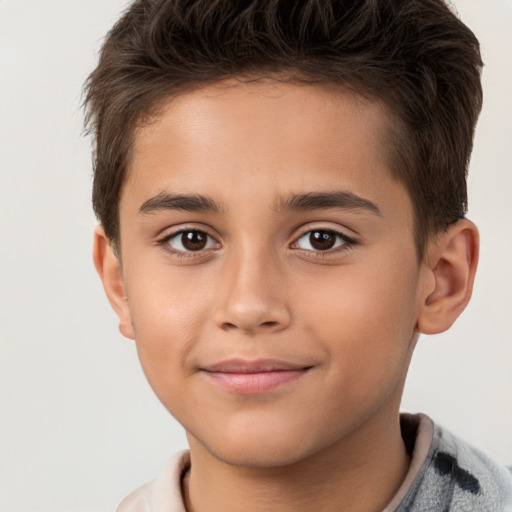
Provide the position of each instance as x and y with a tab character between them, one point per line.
252	377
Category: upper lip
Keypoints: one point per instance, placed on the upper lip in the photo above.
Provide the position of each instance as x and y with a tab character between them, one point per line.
257	366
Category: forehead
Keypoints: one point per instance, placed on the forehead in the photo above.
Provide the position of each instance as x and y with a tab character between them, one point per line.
271	136
313	112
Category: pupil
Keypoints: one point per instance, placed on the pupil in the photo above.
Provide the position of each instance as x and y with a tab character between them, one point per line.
322	240
193	240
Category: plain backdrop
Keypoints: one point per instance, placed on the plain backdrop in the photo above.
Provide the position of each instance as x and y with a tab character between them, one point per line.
80	427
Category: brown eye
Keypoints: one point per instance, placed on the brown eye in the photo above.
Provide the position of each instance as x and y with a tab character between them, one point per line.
192	240
322	240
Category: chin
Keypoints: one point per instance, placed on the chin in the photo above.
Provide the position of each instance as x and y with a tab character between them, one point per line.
260	456
263	446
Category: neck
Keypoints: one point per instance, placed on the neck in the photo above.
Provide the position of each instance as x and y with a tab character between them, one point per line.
361	473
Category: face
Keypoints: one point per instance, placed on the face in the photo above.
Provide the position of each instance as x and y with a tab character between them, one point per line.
269	264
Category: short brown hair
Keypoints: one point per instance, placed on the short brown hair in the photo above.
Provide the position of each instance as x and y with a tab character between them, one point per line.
414	55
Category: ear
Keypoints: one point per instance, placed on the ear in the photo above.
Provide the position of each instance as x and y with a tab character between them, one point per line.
452	259
109	269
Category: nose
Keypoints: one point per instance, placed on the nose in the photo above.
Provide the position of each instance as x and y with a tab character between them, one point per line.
252	295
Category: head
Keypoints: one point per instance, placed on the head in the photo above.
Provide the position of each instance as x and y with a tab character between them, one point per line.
281	187
416	57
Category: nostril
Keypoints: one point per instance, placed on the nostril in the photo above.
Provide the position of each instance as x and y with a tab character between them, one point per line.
229	326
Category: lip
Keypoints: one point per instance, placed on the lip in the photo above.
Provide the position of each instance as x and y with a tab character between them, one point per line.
252	377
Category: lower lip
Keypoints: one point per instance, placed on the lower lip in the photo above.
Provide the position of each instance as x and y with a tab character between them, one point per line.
247	383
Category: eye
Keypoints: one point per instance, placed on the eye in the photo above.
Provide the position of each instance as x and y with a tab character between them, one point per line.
191	240
322	240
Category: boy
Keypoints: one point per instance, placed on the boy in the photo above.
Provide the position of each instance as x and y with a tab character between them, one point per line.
281	191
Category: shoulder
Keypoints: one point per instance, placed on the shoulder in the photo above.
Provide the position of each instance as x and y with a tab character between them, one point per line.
163	494
473	472
456	476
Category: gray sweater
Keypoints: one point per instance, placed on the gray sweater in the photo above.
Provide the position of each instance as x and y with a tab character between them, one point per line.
452	476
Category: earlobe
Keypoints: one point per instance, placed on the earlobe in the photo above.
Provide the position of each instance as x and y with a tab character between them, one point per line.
109	269
452	260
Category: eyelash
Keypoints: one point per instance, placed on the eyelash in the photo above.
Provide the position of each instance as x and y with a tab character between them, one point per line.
347	243
164	243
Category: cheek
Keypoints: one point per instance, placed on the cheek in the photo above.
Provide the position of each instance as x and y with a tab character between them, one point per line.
167	314
366	321
166	302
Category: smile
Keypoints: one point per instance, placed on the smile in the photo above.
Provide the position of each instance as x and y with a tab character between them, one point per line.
253	377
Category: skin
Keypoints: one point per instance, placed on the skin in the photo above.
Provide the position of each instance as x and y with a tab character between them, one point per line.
347	316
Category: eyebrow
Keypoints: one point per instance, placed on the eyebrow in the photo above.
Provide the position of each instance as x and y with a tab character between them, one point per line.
184	202
299	202
340	199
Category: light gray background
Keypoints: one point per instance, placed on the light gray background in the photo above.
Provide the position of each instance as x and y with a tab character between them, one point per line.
80	427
